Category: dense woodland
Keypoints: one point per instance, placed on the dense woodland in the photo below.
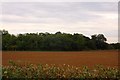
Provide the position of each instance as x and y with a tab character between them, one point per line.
55	42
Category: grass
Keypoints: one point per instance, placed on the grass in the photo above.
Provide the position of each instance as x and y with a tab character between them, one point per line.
46	72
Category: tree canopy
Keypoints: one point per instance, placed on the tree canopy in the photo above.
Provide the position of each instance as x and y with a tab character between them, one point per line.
55	42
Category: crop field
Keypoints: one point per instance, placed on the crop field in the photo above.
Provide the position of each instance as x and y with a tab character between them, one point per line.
81	58
57	65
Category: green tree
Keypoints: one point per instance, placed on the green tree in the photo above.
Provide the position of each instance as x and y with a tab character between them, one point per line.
54	42
100	41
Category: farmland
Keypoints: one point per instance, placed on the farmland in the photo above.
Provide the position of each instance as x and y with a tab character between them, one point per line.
80	58
70	65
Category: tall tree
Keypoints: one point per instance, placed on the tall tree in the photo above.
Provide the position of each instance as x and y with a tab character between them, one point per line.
54	42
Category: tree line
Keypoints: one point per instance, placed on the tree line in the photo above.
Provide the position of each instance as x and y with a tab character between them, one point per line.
54	42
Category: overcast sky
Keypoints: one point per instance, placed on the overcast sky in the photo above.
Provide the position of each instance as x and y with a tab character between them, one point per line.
86	18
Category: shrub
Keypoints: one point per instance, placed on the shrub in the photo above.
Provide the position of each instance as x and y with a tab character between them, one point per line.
36	72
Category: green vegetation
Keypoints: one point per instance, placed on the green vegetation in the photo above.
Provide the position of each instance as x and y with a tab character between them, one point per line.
54	42
45	72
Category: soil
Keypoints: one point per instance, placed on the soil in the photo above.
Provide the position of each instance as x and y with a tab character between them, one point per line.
80	58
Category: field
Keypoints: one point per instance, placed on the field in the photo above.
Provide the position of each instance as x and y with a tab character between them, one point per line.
82	58
69	65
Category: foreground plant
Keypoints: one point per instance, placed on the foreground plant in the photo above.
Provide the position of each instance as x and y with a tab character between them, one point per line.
39	72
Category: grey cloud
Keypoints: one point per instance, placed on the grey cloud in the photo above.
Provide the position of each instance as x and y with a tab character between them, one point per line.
68	12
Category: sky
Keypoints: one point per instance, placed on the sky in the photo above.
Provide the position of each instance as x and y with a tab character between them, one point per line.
86	18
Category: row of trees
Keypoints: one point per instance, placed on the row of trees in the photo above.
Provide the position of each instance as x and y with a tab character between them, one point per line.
55	42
